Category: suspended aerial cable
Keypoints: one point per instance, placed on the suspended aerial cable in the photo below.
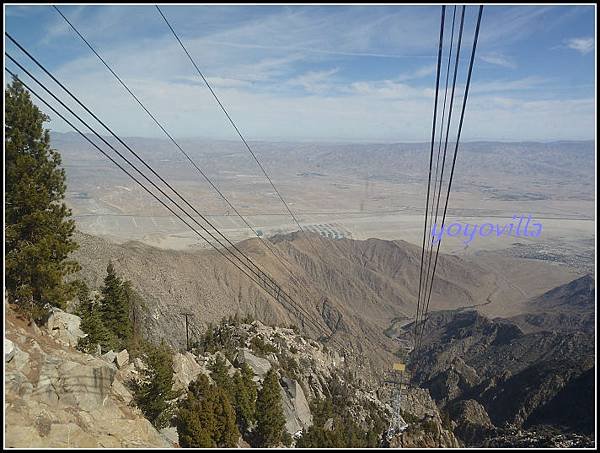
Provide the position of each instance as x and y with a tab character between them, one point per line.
124	158
32	91
41	66
236	129
437	85
449	122
153	117
437	163
460	125
268	284
223	252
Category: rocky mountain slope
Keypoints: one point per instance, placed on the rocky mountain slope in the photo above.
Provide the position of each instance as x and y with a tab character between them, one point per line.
569	307
489	373
351	291
310	371
359	296
58	397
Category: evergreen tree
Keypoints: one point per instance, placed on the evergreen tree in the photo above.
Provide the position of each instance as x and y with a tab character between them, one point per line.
154	394
270	426
38	229
195	420
345	433
245	393
206	417
116	307
226	433
88	310
191	431
219	373
208	342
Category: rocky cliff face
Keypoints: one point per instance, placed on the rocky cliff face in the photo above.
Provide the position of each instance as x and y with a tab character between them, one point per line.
489	373
60	398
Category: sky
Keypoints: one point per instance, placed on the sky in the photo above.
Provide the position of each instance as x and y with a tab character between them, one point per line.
320	73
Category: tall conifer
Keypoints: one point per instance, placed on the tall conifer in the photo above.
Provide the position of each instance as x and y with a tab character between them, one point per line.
38	231
270	421
116	308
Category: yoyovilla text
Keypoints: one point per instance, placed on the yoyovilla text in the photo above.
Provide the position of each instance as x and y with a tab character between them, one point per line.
524	228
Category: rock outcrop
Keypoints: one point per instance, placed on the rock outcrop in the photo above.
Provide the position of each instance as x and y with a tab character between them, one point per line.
64	327
122	358
185	370
428	433
425	426
295	406
259	366
472	422
9	350
58	397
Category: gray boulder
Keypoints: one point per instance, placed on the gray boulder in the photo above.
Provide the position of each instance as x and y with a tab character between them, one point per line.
9	350
295	406
171	435
84	386
64	327
121	391
109	356
185	369
74	384
259	365
57	397
122	358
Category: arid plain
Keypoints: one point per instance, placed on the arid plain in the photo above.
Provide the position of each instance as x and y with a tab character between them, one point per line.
340	190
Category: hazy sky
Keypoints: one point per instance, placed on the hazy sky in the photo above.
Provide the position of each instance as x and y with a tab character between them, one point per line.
320	73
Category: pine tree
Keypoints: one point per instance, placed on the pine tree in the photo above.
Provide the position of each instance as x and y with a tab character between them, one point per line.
191	431
219	373
245	393
154	394
88	310
346	433
206	417
209	342
195	420
227	433
38	230
116	307
270	426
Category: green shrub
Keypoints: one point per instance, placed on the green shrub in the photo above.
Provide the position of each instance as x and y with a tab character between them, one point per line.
258	345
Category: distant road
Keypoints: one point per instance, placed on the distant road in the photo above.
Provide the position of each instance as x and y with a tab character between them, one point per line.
282	214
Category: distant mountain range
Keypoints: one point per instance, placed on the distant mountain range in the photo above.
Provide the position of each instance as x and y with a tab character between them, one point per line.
503	169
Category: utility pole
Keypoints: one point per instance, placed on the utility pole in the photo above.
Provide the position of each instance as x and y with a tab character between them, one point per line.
187	332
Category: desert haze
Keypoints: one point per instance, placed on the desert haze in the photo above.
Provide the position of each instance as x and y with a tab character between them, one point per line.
339	190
